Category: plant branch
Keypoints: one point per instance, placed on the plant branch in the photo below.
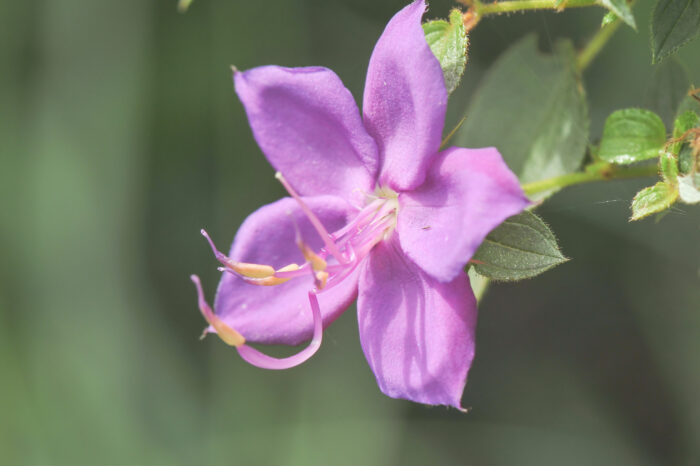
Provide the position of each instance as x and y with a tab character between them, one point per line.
497	8
596	44
595	172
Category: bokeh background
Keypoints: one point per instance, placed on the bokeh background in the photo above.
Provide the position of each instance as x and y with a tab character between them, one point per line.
121	137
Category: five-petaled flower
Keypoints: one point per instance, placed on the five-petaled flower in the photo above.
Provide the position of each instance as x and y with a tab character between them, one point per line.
376	212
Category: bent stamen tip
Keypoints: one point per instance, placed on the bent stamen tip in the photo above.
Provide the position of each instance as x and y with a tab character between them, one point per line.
220	256
227	334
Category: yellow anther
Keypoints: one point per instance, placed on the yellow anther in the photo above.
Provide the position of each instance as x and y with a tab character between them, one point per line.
316	261
272	280
321	279
251	270
226	333
289	268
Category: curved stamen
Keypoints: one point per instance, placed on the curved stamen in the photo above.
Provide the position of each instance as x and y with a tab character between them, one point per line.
256	358
252	355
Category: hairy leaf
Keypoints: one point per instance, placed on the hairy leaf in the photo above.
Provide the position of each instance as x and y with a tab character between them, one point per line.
673	24
632	135
653	199
521	247
448	41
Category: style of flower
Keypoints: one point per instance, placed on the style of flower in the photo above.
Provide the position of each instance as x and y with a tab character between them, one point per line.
376	211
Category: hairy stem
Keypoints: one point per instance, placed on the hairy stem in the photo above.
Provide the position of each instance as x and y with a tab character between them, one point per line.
497	8
597	172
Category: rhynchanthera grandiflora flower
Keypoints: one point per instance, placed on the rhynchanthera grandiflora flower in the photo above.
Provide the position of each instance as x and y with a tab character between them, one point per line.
376	211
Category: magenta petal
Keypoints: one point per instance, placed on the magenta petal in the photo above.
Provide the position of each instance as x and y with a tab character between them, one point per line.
467	194
405	100
417	333
309	128
281	314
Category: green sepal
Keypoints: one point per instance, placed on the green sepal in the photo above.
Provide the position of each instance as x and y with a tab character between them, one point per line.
632	135
448	41
686	160
523	246
685	121
668	167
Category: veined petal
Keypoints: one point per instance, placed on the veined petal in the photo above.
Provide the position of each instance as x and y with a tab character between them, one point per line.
405	100
309	128
417	333
280	314
468	192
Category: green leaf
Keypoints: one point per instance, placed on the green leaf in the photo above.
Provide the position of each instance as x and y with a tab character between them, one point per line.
531	107
632	135
653	199
673	24
689	188
448	41
622	10
521	247
667	89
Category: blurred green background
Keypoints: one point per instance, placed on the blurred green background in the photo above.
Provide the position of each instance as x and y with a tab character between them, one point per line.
121	137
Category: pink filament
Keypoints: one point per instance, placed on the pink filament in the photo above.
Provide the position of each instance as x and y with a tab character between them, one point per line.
322	232
220	256
256	358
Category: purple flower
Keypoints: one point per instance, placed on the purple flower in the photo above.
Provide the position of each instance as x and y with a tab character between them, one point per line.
376	212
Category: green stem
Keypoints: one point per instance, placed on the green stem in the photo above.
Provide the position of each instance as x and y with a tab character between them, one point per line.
602	172
596	44
497	8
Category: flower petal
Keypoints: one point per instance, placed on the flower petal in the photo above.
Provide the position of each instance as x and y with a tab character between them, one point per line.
280	314
467	194
417	333
405	100
309	128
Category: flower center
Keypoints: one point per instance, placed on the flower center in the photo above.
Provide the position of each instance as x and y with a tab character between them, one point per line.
342	253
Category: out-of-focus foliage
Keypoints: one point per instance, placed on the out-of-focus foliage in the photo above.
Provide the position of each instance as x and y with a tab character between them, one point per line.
530	106
121	137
